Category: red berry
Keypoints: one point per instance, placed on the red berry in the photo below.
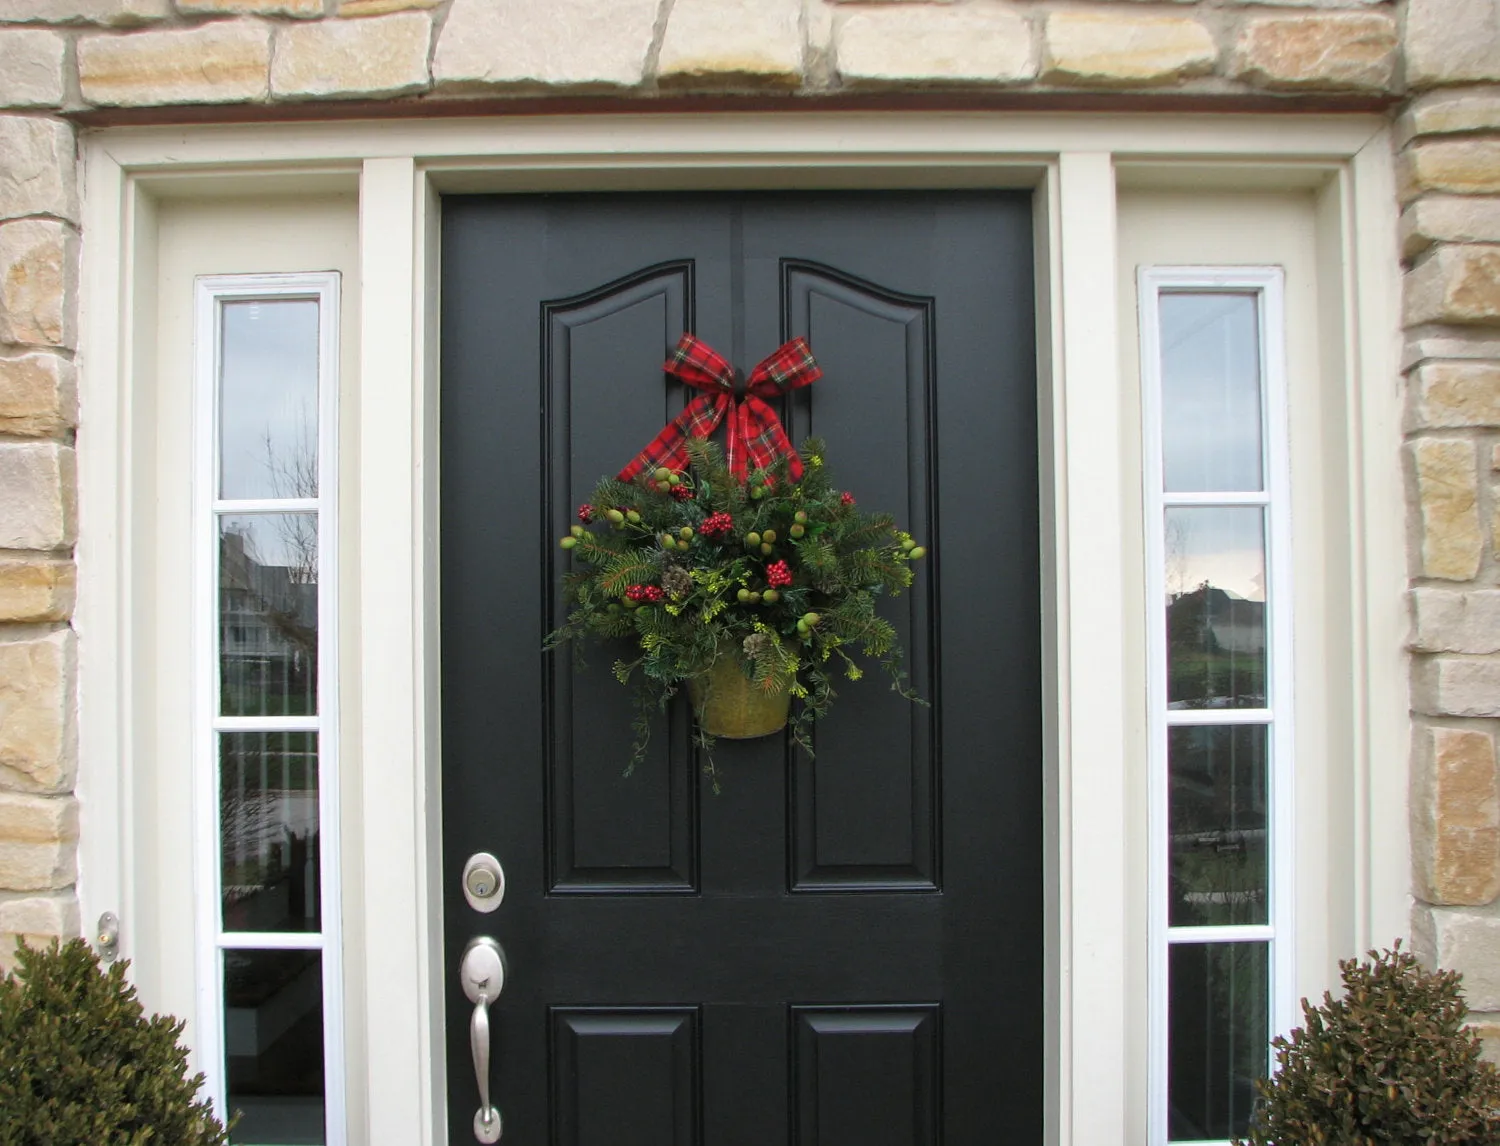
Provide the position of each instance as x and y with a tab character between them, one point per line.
846	497
585	513
682	493
778	575
716	525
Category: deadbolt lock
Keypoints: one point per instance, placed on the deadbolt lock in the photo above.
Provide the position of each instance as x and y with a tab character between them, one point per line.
484	882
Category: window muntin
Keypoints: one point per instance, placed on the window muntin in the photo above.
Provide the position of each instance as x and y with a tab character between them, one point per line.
266	774
1218	577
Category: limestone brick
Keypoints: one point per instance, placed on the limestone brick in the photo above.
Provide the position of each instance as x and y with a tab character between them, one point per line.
1121	49
1447	506
36	511
1466	941
1455	284
222	62
297	9
971	45
385	7
1457	686
380	56
38	395
31	67
38	841
1448	395
1452	42
36	589
501	42
732	43
38	744
1455	620
38	919
1455	817
37	175
1449	219
1449	112
113	13
1344	50
1463	166
1487	1027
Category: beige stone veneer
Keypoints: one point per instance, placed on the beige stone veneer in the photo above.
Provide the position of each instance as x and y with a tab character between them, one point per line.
1441	57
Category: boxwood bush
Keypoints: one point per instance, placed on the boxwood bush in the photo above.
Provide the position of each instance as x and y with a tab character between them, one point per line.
80	1063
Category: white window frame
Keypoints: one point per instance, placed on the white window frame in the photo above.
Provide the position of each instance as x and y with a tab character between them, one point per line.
211	293
1266	286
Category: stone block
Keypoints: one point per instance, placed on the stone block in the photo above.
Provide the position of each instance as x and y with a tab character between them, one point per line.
381	56
31	67
37	175
350	8
1125	49
1463	166
903	46
1455	284
1455	817
1449	219
732	43
1447	503
112	13
1447	112
1456	686
1455	620
38	919
1353	51
36	589
1452	42
38	395
1448	395
222	62
296	9
38	740
38	841
1466	941
486	43
36	495
38	283
1487	1027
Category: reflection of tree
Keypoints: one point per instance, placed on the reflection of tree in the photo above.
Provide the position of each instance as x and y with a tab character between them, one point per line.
268	635
1215	649
1218	818
268	831
294	474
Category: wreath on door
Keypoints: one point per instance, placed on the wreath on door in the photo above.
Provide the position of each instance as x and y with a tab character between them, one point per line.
745	574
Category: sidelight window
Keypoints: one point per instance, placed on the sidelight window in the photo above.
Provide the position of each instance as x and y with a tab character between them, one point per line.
1219	623
266	772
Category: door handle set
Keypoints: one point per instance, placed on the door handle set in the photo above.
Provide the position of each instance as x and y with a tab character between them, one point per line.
481	973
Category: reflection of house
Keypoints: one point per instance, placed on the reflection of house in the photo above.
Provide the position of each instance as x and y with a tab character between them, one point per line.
1235	624
268	618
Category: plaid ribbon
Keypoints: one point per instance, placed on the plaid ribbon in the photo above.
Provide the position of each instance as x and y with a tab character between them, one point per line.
756	436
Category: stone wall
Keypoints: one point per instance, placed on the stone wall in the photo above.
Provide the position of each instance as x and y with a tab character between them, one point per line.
62	61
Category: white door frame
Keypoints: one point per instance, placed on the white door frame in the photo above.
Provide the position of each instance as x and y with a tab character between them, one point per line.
1094	711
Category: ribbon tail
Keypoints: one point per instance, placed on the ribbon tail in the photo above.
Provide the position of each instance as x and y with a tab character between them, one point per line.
669	447
762	440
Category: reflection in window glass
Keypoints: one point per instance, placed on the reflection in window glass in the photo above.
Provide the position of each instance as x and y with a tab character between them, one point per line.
1217	814
268	614
268	399
1218	1036
268	830
273	1041
1210	392
1216	607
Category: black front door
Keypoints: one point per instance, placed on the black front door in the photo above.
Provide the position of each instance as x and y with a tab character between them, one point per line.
844	951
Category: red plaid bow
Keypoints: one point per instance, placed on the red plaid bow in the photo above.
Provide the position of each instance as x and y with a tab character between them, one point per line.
756	437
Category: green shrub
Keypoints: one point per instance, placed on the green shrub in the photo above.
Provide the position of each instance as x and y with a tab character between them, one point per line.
81	1064
1391	1061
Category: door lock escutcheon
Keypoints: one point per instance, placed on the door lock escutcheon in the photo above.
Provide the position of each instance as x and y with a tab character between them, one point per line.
484	882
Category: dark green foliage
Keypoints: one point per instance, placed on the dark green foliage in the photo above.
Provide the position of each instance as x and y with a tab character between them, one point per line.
81	1065
1391	1061
842	561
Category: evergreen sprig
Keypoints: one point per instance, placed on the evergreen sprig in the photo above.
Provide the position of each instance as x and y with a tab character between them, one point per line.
644	568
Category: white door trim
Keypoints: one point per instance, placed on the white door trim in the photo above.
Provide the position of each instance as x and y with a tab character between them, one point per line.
1095	694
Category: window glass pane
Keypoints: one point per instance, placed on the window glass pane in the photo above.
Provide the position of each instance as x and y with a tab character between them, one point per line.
268	831
268	398
1216	608
1210	392
268	614
273	1039
1218	824
1218	1037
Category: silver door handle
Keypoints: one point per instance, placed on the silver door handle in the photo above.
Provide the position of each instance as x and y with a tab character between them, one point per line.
482	973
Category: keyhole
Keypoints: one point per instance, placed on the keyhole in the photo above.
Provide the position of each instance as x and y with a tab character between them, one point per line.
481	884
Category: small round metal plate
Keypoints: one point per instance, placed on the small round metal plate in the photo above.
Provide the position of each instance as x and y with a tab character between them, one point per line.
487	1125
482	969
483	882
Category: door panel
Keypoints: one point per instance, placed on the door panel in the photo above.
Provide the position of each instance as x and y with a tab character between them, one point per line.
837	950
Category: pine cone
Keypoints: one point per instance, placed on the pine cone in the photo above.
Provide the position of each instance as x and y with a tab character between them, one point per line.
756	645
677	581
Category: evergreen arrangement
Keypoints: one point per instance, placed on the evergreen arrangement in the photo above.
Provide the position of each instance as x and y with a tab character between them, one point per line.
1389	1062
695	566
81	1063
